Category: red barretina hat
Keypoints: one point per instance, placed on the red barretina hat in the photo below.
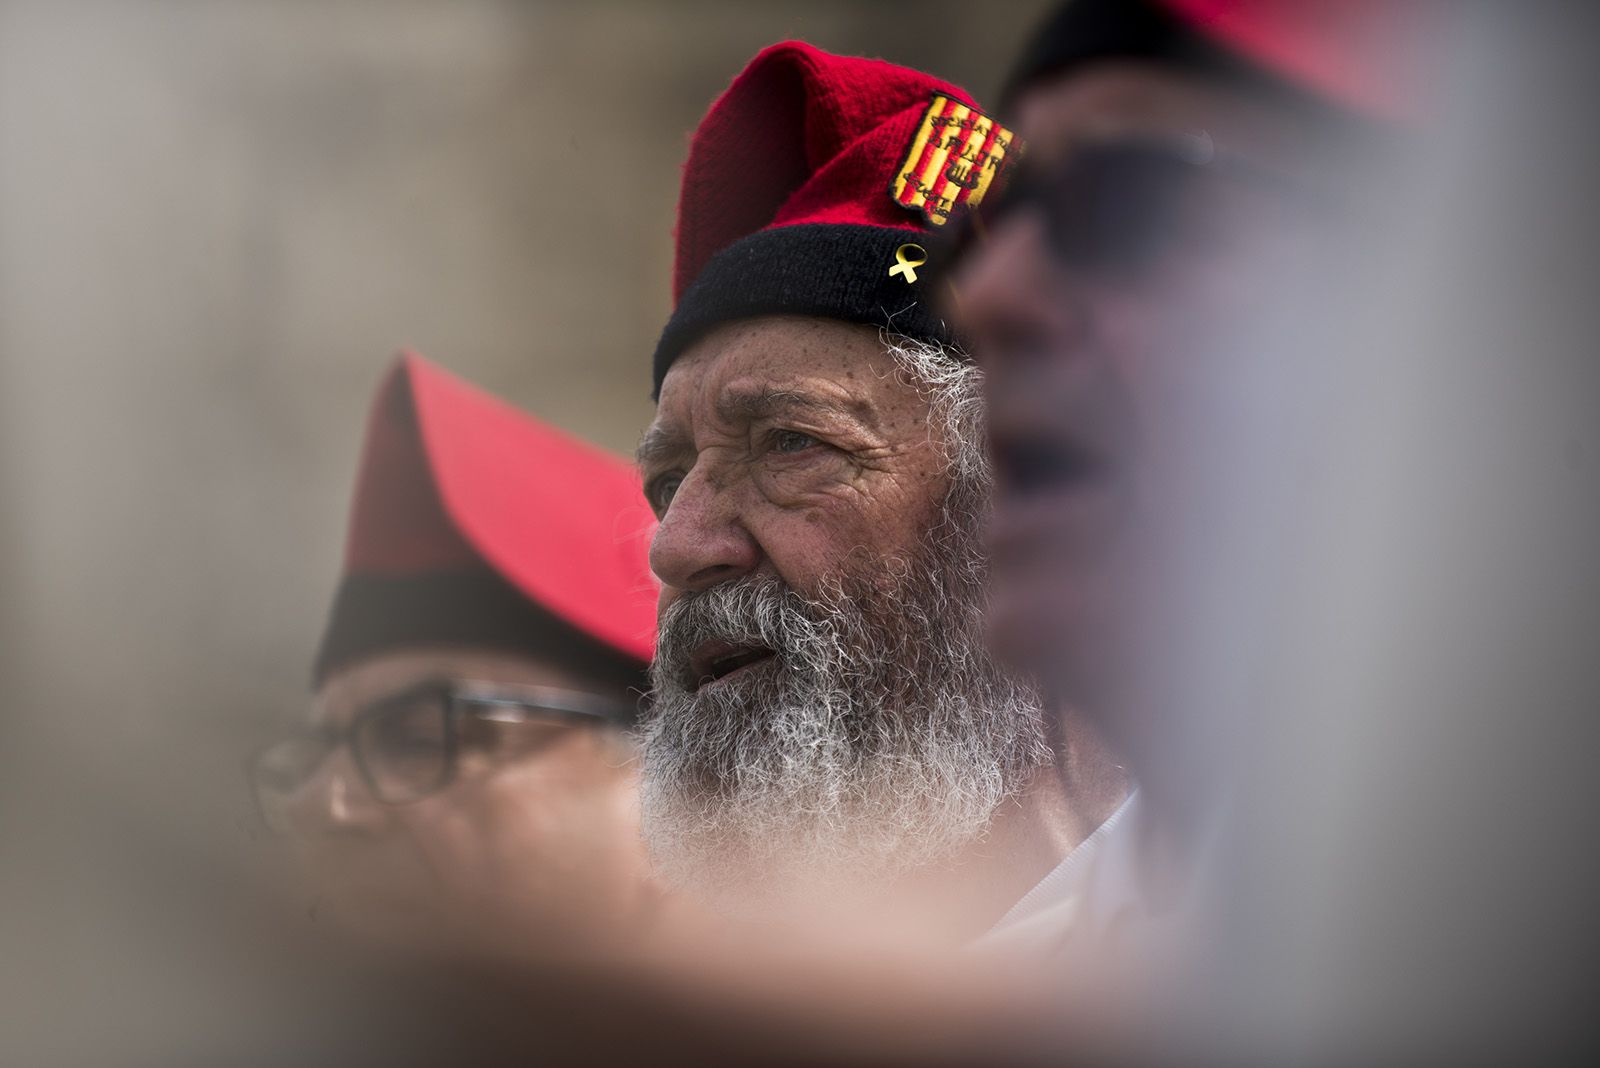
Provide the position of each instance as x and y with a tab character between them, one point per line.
476	524
810	186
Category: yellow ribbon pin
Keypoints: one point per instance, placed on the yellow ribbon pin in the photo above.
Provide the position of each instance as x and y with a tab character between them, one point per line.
904	264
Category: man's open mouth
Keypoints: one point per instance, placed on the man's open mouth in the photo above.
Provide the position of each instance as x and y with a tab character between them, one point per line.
715	661
1031	464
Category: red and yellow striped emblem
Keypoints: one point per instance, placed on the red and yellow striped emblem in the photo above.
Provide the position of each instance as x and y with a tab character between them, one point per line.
954	156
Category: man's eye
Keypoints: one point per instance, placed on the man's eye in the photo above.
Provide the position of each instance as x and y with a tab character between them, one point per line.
791	441
661	490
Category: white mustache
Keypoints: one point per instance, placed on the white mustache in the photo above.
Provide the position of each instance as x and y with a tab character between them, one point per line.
758	610
885	739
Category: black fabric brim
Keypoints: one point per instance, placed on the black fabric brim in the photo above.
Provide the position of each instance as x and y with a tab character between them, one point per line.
833	271
372	615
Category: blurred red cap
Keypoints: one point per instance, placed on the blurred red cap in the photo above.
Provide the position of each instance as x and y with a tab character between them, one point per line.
1364	58
453	478
1363	54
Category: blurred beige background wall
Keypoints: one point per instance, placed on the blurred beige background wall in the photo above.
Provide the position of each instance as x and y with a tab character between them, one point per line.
220	218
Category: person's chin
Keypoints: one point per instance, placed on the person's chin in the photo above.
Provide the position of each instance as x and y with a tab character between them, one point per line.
1029	620
1048	614
1033	586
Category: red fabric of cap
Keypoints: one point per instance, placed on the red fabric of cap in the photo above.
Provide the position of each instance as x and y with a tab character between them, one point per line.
1363	54
452	476
801	136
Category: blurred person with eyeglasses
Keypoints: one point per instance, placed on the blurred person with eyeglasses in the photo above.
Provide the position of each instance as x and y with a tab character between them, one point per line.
1193	170
465	769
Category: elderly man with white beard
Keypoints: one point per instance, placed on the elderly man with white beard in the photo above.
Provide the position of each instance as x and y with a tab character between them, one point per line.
828	729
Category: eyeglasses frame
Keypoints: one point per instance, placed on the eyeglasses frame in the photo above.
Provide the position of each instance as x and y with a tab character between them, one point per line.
509	702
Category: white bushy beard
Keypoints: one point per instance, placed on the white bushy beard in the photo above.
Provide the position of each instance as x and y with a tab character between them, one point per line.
880	739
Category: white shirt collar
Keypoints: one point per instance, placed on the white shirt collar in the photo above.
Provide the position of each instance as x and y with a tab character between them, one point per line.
1082	869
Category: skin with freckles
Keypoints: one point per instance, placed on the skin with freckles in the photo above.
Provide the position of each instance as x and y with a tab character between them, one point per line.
791	445
535	843
1106	369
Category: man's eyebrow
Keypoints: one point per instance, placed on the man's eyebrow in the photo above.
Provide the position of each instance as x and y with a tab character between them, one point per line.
662	445
658	446
751	404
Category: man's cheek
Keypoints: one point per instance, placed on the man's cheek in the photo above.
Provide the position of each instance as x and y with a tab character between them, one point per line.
825	482
443	835
806	545
554	794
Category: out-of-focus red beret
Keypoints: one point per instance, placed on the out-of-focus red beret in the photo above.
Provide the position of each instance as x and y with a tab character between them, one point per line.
474	523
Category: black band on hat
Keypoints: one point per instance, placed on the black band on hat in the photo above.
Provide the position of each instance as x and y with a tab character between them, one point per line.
1080	32
473	609
829	270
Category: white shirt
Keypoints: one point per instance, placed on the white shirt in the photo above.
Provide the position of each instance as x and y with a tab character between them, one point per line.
1087	891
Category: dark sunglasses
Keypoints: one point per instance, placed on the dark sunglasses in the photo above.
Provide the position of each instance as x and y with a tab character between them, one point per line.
1118	208
406	746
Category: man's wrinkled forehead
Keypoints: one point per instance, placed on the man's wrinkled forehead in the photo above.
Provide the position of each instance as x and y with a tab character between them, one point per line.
841	374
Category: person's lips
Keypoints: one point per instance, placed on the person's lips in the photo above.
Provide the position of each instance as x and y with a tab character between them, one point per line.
715	661
1055	427
1059	496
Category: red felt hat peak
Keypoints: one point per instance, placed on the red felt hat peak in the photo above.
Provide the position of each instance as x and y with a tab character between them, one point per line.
1364	54
800	136
452	477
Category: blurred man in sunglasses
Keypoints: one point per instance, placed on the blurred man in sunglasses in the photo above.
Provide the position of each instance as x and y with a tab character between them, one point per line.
466	761
1185	159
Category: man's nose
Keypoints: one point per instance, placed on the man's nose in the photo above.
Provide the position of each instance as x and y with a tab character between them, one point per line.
701	541
335	801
